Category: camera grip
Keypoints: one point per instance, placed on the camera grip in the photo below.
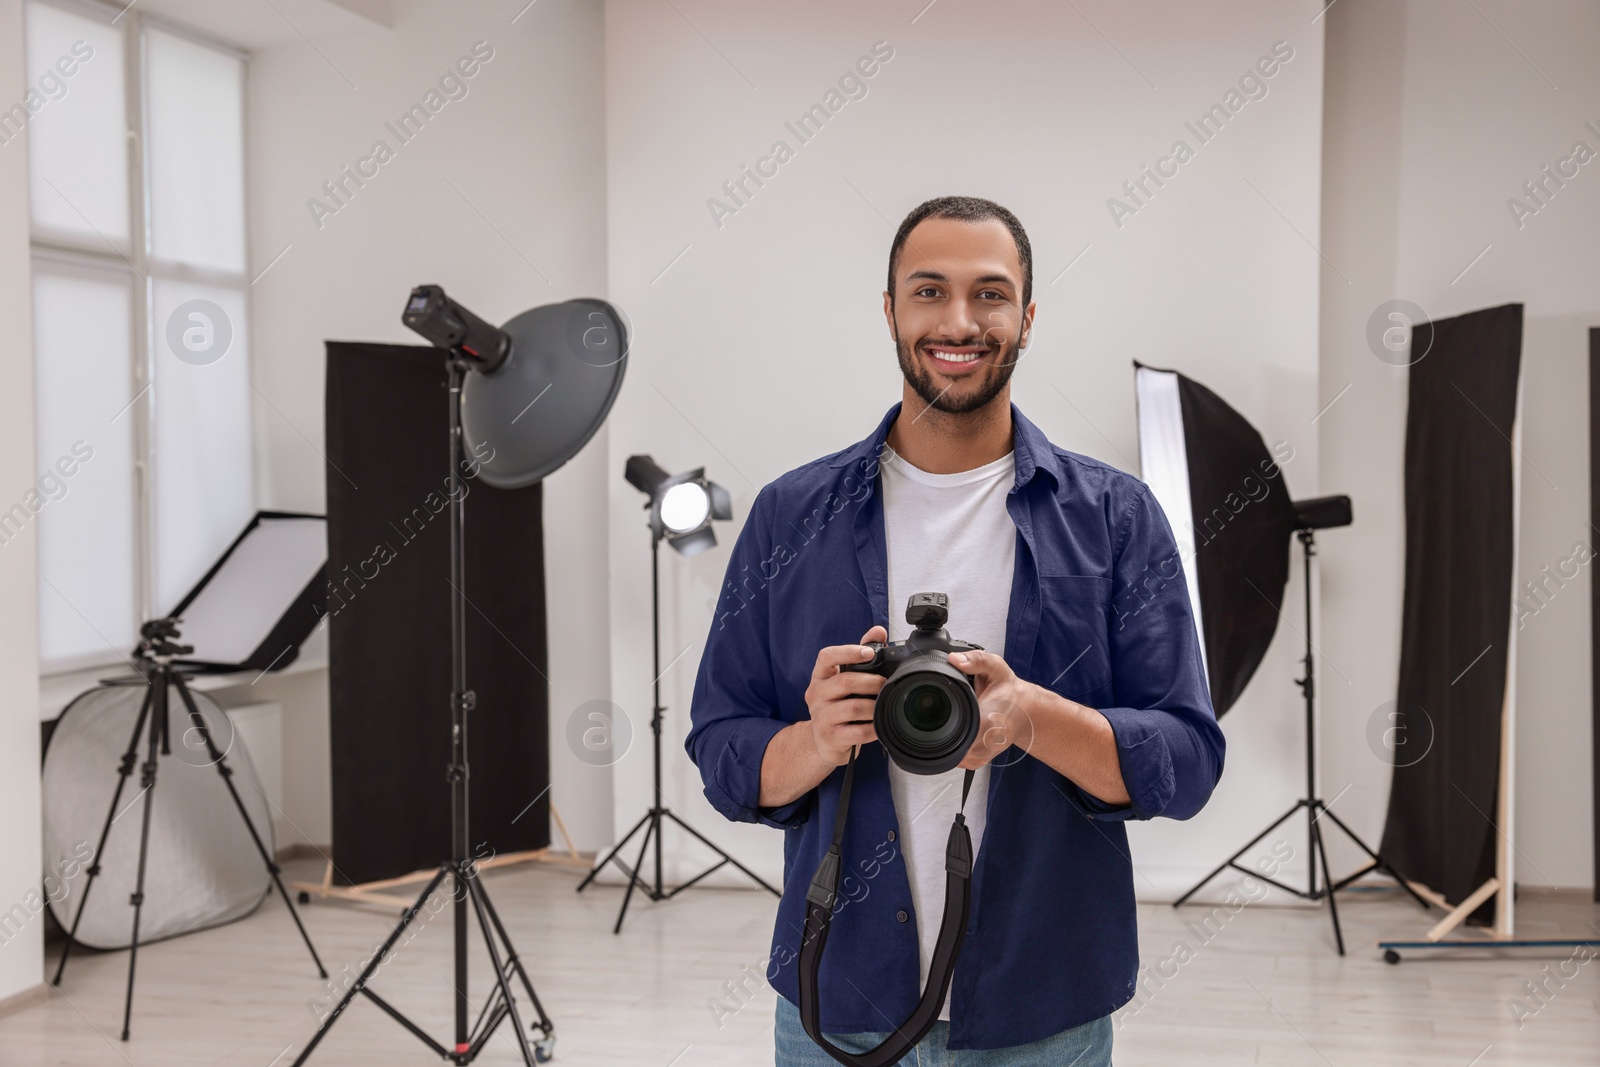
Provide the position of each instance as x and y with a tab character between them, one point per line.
873	665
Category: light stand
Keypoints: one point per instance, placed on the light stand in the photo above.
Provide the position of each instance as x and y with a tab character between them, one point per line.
1314	805
461	869
688	535
157	650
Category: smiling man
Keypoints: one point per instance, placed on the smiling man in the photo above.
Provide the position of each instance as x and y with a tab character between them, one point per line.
1091	688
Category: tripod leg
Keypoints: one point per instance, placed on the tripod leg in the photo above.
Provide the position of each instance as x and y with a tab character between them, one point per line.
475	892
124	772
377	959
514	961
220	761
147	779
1327	877
1382	864
643	847
601	865
1225	864
703	840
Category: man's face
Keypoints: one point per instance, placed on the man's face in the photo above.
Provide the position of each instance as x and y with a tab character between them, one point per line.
956	314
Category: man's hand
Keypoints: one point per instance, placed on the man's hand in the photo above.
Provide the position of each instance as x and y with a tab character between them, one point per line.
1072	739
804	753
841	701
1003	699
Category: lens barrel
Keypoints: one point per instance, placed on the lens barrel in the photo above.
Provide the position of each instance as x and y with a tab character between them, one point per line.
926	715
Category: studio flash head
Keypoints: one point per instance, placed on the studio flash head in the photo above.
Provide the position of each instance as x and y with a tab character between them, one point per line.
926	714
448	325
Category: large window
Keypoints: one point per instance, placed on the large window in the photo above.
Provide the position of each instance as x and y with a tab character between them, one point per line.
140	296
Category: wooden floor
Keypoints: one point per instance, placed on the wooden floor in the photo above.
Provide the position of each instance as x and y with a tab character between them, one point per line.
1260	986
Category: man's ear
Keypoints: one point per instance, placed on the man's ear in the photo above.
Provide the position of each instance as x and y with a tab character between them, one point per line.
1026	337
888	316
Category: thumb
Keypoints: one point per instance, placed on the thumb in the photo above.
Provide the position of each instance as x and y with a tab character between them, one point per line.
975	662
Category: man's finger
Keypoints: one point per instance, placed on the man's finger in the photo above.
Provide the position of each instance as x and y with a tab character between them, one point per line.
850	683
978	662
860	734
834	656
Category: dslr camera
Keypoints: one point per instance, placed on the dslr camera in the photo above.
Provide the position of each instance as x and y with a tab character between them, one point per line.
926	714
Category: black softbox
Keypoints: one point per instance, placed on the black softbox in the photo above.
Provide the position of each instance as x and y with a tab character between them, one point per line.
1230	512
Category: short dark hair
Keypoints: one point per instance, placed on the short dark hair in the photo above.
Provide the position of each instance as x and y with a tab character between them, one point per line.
965	209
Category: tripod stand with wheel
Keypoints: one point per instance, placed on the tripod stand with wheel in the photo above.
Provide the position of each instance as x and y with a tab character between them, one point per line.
161	675
1314	805
467	889
651	820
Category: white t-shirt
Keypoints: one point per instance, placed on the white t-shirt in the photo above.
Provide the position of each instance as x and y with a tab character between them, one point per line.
951	534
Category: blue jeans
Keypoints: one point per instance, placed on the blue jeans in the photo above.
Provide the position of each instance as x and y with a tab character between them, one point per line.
1088	1045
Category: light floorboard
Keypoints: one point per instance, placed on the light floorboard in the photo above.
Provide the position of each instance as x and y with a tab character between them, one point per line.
1265	988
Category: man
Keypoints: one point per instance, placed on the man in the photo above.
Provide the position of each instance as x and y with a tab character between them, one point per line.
1091	689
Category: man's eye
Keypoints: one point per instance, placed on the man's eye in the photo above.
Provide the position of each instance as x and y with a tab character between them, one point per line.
992	294
927	290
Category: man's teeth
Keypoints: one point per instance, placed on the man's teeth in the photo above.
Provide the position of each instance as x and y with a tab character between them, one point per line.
955	357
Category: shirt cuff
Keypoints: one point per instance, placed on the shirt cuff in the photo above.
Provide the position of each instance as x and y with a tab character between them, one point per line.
734	785
1146	764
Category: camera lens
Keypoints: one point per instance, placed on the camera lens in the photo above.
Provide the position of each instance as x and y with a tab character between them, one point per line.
927	707
926	715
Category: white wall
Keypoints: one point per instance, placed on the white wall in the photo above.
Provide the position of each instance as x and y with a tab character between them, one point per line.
1434	119
764	346
522	225
20	958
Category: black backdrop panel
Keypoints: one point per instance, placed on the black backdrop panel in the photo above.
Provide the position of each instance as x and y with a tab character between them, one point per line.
1456	619
1594	590
389	631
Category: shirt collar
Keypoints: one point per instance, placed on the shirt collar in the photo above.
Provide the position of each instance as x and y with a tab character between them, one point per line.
1034	452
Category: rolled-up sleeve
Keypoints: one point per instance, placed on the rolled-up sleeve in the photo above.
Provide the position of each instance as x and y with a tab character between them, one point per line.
1169	746
734	713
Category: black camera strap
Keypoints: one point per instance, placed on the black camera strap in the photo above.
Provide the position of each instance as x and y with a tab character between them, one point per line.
820	900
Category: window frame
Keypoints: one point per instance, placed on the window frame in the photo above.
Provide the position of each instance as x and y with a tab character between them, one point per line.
142	270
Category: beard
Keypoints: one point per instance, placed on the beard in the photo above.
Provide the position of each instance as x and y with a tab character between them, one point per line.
988	387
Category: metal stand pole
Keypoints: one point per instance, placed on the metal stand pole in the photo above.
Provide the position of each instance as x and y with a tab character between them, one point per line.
658	810
1314	806
470	898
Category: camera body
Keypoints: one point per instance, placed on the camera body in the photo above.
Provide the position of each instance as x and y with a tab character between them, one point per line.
926	714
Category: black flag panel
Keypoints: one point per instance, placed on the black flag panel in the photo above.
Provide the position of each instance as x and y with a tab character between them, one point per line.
1460	507
389	632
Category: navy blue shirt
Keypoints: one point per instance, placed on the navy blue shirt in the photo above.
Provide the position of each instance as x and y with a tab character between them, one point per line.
1099	613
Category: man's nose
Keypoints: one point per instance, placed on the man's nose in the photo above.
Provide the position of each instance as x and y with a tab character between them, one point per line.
960	321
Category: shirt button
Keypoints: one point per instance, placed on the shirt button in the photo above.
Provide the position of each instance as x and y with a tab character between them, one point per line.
891	835
902	916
